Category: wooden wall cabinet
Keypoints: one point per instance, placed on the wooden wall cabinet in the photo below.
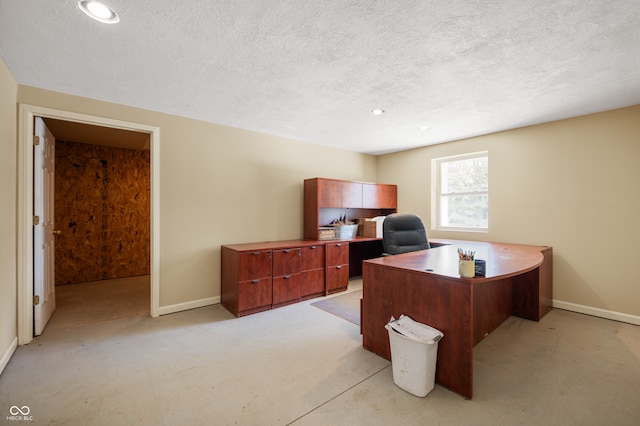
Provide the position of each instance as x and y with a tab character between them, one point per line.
337	266
327	199
329	193
351	195
338	193
379	196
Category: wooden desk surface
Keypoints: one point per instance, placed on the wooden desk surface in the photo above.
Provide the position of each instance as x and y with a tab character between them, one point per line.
502	260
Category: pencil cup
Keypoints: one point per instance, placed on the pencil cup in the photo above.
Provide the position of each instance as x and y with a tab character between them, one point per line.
467	268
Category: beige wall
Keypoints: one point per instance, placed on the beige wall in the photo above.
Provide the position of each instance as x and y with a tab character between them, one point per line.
8	177
571	184
218	185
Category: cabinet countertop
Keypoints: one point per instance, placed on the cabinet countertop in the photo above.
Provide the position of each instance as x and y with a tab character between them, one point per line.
274	245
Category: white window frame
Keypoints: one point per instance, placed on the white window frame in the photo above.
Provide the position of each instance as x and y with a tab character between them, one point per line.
437	196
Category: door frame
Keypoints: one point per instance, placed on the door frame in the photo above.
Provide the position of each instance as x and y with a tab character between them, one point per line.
24	225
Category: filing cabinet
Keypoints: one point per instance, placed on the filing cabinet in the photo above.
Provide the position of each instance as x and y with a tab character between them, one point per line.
247	283
286	276
312	267
337	266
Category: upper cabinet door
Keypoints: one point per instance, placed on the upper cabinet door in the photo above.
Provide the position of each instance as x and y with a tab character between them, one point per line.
379	196
333	193
329	193
352	195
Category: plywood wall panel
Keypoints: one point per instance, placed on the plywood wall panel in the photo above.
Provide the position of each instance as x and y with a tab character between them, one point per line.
127	233
103	210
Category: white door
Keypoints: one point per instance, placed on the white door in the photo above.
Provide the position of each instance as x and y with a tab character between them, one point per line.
44	285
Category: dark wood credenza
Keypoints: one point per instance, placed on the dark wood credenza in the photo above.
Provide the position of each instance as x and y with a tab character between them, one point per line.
426	286
262	276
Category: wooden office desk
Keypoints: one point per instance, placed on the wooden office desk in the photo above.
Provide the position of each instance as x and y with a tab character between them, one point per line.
425	285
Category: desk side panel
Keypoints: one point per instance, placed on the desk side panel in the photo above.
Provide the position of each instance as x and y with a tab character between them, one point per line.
546	283
533	290
230	278
440	303
492	305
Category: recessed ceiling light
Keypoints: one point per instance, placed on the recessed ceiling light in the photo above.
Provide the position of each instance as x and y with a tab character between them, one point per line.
377	111
424	128
98	11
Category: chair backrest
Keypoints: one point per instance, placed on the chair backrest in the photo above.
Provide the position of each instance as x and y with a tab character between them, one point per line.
402	233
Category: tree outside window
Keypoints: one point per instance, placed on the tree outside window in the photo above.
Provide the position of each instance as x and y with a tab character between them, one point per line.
462	192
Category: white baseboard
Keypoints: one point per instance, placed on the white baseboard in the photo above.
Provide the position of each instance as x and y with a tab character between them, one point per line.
6	356
596	312
170	309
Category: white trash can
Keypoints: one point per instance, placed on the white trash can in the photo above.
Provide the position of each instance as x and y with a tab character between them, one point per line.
414	352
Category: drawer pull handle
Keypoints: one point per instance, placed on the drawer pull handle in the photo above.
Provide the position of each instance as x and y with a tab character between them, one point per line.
286	277
338	245
314	247
255	253
287	251
339	267
255	281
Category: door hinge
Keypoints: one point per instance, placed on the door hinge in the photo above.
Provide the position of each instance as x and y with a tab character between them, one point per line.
36	300
36	220
36	140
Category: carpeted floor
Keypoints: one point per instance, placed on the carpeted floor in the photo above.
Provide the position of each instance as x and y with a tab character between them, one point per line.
299	365
345	306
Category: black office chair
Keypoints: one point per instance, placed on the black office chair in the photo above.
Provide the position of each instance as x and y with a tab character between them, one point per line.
403	233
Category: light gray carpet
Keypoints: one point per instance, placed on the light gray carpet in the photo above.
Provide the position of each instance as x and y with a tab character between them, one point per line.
345	306
298	365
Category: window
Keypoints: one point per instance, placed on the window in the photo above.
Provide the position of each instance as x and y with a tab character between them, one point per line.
460	192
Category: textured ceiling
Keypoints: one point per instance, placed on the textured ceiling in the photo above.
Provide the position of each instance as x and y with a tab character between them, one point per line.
313	70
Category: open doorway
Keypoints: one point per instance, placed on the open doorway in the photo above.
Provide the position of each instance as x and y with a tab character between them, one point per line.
102	219
27	114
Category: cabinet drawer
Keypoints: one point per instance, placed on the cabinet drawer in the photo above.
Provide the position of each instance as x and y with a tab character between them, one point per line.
312	283
312	257
253	265
337	254
286	261
254	294
286	289
337	278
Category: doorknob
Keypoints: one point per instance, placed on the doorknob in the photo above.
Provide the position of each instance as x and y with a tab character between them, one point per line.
58	232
